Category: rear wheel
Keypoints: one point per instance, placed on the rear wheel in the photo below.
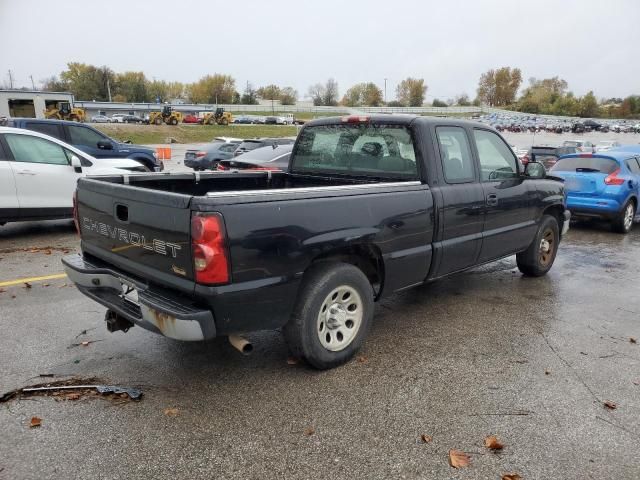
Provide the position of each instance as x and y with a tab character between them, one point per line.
174	121
538	259
158	121
224	121
332	316
623	223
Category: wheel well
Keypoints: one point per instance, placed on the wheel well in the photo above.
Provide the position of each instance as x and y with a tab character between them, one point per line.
366	257
556	211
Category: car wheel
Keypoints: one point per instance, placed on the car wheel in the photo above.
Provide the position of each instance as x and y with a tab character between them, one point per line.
158	121
332	316
538	259
623	223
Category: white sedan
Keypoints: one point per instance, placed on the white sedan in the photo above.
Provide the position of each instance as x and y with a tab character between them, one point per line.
38	174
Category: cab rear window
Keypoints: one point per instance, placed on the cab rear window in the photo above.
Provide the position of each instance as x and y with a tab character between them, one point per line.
586	164
367	150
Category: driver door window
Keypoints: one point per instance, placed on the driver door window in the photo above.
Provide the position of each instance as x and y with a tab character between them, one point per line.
28	149
497	161
84	136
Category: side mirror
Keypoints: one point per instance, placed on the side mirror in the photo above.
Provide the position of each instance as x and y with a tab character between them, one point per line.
105	145
128	142
535	170
76	164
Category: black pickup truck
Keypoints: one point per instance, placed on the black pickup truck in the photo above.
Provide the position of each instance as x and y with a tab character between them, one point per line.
369	206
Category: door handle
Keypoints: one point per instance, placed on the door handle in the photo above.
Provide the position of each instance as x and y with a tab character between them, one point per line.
492	200
26	172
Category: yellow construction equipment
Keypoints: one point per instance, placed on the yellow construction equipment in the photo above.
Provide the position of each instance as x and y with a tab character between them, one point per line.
219	116
64	111
167	115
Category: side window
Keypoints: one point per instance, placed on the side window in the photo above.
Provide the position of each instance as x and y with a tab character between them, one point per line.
632	163
51	129
497	161
229	148
455	154
26	148
84	136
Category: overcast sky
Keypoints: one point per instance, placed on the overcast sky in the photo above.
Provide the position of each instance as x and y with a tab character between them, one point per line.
593	44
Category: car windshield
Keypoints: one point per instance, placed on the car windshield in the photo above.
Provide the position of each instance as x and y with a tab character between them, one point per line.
368	150
586	164
250	145
265	154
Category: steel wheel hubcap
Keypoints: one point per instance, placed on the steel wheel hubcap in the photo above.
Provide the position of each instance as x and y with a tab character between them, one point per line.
628	217
339	318
547	244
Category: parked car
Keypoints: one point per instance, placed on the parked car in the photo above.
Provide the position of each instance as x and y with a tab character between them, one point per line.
243	120
100	119
227	140
370	206
603	185
38	174
132	119
263	158
191	119
582	145
252	144
90	140
118	117
605	145
547	156
208	156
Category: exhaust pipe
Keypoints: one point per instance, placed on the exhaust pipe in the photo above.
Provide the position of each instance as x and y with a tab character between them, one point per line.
241	344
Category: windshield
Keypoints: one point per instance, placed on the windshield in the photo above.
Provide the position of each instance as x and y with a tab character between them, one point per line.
362	149
250	145
594	164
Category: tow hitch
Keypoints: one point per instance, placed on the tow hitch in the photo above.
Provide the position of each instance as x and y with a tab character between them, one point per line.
116	322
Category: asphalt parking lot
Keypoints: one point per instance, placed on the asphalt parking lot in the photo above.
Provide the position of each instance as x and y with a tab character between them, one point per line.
487	352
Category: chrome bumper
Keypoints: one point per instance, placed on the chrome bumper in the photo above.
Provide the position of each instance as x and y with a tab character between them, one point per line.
565	224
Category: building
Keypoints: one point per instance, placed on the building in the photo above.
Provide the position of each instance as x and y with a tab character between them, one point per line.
30	103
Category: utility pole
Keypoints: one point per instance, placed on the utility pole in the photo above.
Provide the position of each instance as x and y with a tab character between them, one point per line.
10	79
109	90
385	91
33	85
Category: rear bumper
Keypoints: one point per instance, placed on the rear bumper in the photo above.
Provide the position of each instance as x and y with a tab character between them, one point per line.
565	223
600	207
157	310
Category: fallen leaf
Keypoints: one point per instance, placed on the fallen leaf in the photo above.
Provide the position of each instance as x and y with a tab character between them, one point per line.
2	290
493	443
63	285
292	361
13	296
636	382
547	372
45	284
610	405
171	412
35	422
362	359
47	252
426	438
458	459
309	431
632	340
84	344
511	476
73	396
27	285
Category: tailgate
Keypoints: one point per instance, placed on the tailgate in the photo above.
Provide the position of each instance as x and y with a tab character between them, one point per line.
142	231
580	183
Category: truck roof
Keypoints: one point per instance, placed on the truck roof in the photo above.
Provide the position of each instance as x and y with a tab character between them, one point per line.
396	119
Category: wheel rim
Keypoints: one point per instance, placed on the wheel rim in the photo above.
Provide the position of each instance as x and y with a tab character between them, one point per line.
339	318
628	217
547	247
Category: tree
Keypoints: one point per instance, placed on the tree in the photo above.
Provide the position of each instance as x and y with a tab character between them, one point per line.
316	92
87	82
411	92
270	92
438	103
54	84
463	100
363	94
330	97
288	96
132	86
250	96
499	87
216	88
588	105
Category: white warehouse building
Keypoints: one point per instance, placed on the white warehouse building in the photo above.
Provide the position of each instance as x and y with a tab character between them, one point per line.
30	103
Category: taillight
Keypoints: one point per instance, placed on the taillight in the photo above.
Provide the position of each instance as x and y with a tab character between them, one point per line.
200	154
272	169
355	119
210	261
525	159
585	155
613	179
221	167
76	215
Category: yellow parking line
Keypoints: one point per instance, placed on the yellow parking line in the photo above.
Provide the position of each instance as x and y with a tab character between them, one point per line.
19	281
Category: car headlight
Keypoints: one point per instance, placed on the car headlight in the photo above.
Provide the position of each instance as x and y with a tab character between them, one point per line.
155	155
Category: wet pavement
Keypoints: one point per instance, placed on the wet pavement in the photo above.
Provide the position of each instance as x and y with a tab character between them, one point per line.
485	352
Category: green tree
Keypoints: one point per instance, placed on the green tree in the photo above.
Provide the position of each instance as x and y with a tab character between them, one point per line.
463	100
411	92
87	82
132	86
588	105
499	87
270	92
288	96
363	94
438	103
216	88
250	95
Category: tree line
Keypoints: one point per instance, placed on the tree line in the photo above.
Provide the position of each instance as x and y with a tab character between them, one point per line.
496	87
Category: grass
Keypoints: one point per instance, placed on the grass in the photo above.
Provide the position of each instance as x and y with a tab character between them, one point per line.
299	115
151	134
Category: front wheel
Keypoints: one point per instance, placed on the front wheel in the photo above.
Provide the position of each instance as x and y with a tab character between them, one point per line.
332	315
538	259
623	223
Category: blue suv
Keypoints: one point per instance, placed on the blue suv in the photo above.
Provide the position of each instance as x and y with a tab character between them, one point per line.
90	140
604	185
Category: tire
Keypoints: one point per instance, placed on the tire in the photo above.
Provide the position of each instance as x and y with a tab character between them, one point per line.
623	223
330	288
224	121
158	121
538	259
174	121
